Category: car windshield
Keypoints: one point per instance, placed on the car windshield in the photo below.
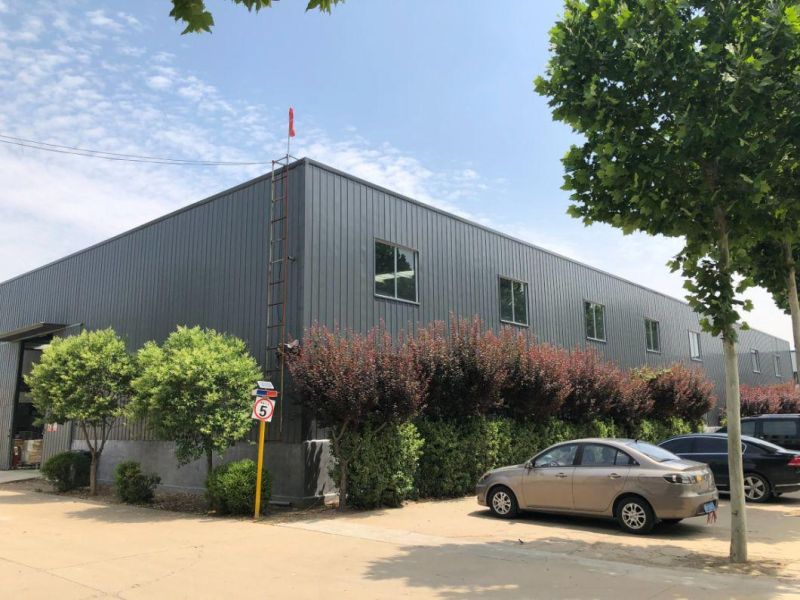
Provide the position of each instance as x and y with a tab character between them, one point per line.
651	451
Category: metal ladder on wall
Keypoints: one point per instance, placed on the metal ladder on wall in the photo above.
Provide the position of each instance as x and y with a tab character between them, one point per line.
278	280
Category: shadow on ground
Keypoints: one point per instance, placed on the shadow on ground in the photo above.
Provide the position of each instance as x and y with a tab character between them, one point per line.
520	570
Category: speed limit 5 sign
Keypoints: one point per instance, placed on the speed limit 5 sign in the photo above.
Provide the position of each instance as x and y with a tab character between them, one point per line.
263	409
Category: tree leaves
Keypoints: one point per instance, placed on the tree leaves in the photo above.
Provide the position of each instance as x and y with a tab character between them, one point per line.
198	19
686	108
195	389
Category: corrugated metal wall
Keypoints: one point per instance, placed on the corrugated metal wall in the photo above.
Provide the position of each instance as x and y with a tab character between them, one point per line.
203	265
9	370
459	266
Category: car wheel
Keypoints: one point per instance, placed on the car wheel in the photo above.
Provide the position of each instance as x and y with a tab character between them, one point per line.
756	488
503	503
635	515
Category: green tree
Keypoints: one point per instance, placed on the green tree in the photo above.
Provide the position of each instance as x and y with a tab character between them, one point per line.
675	100
198	19
195	389
84	379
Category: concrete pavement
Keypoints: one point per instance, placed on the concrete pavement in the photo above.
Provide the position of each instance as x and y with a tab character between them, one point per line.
62	547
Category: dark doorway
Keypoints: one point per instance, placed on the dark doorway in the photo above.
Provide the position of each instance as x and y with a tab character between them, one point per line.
27	431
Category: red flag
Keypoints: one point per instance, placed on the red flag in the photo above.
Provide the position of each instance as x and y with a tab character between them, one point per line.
291	122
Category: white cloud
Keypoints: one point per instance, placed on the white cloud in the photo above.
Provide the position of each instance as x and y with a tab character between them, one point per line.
159	82
98	18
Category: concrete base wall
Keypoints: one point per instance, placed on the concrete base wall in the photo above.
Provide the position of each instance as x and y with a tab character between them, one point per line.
299	471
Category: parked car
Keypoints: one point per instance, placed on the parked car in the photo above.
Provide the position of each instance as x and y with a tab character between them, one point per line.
634	482
781	430
769	470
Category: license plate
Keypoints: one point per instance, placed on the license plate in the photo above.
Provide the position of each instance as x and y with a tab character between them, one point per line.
709	507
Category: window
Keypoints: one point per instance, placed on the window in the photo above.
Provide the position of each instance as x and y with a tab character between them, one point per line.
678	446
513	301
395	272
595	317
560	456
706	445
599	455
755	360
778	427
652	335
748	427
657	453
694	346
777	363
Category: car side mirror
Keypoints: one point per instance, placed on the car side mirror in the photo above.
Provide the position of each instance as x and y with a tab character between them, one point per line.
529	465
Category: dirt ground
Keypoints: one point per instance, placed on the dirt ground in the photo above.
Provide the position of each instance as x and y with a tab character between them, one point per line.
71	547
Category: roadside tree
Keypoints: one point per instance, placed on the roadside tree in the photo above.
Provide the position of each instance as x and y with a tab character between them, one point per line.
84	379
676	103
195	389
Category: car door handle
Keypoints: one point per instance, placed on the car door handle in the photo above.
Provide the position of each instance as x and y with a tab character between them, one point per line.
561	475
614	476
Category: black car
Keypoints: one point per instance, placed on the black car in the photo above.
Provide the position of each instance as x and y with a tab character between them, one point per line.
783	430
769	470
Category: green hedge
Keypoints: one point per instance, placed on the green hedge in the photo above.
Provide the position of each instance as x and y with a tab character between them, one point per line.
456	454
444	459
385	465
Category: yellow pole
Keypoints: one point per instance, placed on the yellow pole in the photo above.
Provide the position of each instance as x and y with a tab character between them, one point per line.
261	431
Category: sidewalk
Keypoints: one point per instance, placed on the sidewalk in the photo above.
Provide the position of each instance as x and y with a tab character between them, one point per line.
18	475
69	548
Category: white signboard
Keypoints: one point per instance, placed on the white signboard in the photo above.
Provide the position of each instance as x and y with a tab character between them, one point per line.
263	409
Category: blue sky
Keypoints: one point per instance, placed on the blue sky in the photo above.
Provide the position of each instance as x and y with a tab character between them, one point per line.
431	98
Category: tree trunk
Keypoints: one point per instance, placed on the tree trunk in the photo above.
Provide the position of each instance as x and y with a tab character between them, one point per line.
732	405
738	552
791	288
93	473
209	462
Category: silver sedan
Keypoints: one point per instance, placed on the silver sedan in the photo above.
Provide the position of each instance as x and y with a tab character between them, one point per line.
634	482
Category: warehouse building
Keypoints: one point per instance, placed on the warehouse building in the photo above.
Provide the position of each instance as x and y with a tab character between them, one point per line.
345	252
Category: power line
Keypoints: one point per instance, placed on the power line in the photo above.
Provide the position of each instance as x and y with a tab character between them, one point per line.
138	158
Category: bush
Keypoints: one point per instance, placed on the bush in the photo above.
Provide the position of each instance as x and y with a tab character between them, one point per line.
464	367
384	465
456	454
68	470
597	389
231	488
657	430
677	392
537	381
770	399
133	486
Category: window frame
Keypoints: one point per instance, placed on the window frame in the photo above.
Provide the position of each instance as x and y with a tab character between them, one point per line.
579	458
776	365
500	279
699	357
532	461
594	306
657	348
755	360
396	246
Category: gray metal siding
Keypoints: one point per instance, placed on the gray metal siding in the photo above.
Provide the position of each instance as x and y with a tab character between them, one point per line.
203	265
9	370
458	270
